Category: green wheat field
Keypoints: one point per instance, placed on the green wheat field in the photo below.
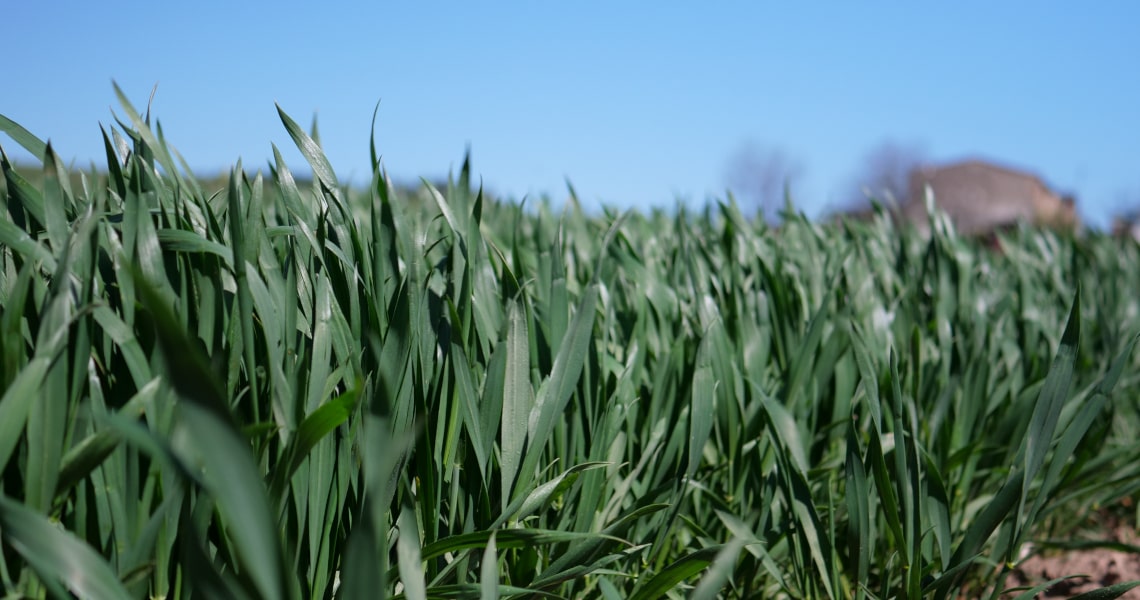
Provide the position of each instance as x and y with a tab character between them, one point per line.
283	389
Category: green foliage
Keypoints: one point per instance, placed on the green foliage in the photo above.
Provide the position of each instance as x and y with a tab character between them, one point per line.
266	388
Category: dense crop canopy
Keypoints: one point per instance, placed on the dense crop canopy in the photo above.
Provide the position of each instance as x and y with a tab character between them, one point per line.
287	389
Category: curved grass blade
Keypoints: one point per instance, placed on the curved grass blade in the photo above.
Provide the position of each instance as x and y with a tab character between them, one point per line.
542	494
375	158
78	463
999	507
489	572
42	414
1090	409
34	145
408	555
206	434
201	575
181	240
55	201
720	572
1054	392
518	400
469	591
239	220
22	194
469	407
231	477
583	551
312	430
12	236
938	508
58	555
17	401
506	539
143	130
679	571
187	370
309	148
555	393
858	493
12	345
1108	593
1032	592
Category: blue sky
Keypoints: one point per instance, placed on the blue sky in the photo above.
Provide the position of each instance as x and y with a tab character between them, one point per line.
636	103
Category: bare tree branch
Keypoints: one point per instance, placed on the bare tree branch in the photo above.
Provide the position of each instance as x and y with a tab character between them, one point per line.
759	176
885	172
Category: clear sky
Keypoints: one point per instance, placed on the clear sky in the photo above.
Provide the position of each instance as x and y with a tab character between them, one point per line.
636	103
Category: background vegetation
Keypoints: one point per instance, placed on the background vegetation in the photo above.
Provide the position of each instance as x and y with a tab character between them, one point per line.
294	391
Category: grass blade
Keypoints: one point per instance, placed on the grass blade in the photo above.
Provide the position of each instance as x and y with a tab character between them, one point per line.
489	572
720	572
1108	593
555	392
34	145
518	400
309	148
58	555
675	573
408	554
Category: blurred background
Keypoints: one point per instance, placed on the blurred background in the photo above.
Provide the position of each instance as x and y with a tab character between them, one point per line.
637	105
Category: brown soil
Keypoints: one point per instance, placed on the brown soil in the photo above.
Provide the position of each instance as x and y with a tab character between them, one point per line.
1103	566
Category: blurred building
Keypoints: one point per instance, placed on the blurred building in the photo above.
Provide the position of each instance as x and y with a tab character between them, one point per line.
981	197
1127	226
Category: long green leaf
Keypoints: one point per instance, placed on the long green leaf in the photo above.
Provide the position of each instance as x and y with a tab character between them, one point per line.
408	553
58	555
34	145
677	572
311	151
518	401
489	571
554	394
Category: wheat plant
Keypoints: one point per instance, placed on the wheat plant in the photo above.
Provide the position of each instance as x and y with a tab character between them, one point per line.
290	388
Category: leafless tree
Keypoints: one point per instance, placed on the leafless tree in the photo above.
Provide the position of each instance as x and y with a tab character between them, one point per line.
759	175
1126	217
885	172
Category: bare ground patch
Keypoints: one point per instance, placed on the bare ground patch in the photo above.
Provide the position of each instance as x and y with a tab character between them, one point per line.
1110	556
